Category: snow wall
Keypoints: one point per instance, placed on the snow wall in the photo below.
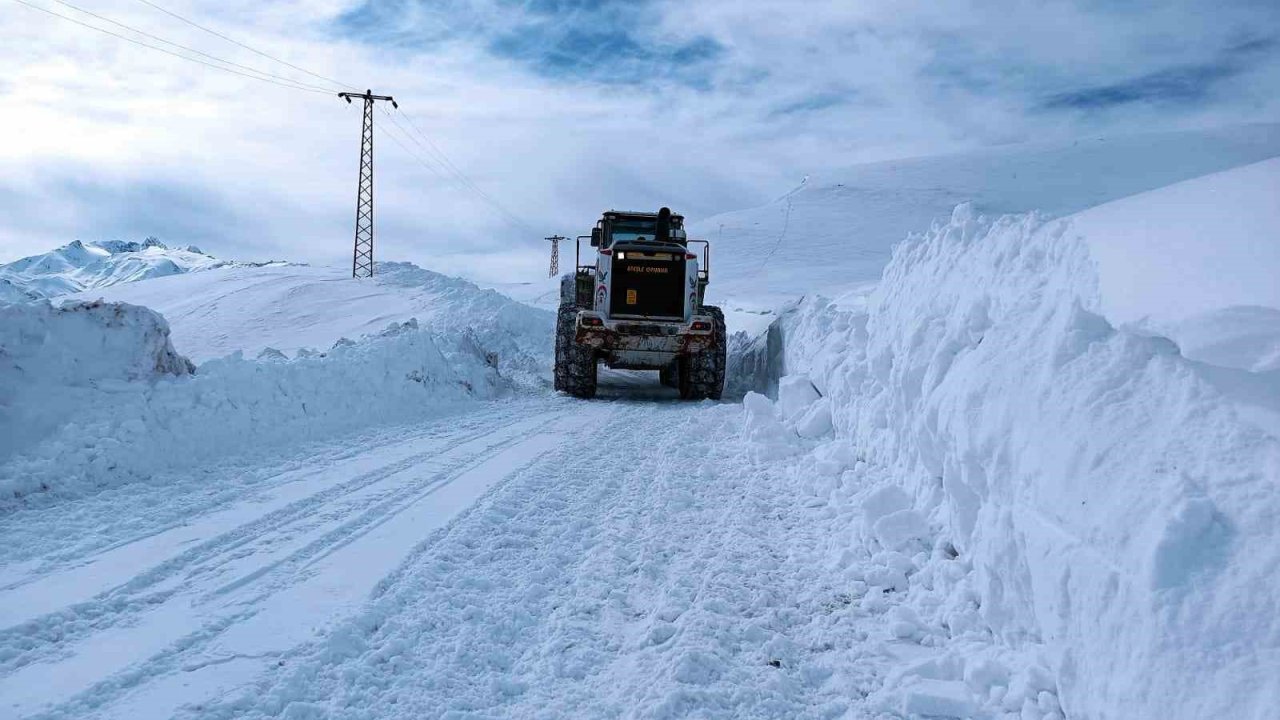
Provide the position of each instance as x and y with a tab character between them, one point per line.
1117	501
93	394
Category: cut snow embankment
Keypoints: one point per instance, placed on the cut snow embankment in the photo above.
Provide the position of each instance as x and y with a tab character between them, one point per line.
54	361
1115	500
93	394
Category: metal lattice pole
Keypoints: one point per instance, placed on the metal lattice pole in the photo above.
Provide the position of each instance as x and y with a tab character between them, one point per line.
362	256
555	255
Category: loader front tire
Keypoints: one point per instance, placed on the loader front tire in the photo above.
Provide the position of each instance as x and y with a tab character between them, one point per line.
575	371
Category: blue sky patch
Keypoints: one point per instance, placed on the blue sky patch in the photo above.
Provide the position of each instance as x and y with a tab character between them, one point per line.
607	41
1179	85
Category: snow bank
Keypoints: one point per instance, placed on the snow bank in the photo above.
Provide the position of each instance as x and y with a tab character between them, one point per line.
93	394
1115	501
54	360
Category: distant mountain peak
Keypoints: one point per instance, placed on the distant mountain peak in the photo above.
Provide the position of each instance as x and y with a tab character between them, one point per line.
84	265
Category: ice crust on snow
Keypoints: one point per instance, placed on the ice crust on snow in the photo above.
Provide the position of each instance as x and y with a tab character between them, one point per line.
1114	500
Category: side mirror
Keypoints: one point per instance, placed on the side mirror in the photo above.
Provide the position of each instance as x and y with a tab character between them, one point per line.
595	237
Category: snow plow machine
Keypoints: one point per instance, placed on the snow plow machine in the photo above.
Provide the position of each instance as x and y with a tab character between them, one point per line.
640	307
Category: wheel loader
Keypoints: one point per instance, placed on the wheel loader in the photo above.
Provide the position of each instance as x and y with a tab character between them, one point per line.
639	306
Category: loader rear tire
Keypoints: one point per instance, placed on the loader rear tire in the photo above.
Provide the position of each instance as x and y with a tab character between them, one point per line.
575	371
701	376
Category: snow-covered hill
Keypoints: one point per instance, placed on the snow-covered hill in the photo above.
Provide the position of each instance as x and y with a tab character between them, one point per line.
290	307
836	232
83	265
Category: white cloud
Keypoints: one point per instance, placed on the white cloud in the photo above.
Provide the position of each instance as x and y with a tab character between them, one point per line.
106	139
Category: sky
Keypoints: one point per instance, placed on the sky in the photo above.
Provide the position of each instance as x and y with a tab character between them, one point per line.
554	110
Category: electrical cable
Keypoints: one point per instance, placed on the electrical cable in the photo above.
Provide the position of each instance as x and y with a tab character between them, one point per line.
180	56
190	49
233	41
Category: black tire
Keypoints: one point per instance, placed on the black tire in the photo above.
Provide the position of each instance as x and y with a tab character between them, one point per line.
575	371
669	376
701	376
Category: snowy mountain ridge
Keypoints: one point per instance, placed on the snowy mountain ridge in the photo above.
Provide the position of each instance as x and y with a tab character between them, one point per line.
81	265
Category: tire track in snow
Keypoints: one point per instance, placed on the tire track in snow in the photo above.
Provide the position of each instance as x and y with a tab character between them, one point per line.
126	597
665	574
217	662
78	544
122	605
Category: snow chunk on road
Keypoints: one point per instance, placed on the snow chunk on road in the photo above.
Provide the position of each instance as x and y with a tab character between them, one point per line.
795	394
884	501
768	437
939	698
901	530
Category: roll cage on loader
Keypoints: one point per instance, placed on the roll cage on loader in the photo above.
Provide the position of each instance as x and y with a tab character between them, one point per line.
639	306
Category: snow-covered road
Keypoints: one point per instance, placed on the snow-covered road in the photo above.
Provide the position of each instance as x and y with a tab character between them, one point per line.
538	557
173	607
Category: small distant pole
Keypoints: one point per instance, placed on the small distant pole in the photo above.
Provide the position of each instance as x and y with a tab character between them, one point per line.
362	257
555	254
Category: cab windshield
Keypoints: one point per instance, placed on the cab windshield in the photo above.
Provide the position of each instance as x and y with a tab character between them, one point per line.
633	230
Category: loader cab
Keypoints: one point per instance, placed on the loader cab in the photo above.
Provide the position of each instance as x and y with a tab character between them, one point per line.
641	228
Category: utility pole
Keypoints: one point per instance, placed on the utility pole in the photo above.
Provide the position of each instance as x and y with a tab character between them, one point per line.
555	254
362	257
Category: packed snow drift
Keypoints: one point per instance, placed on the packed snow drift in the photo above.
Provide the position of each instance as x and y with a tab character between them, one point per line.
78	426
1114	498
56	361
286	354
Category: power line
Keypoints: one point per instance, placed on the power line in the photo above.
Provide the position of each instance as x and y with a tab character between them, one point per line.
191	49
425	163
436	153
457	179
251	49
435	161
135	41
433	167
